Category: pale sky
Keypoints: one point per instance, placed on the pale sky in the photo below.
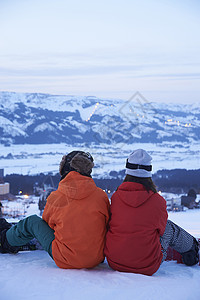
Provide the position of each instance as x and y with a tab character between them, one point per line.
107	48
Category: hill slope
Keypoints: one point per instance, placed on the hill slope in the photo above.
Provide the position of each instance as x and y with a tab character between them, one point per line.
43	118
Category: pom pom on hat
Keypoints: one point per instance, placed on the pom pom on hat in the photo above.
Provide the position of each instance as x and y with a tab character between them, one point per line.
139	164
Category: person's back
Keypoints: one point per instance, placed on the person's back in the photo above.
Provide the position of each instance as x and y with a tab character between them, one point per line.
138	218
74	221
78	213
139	232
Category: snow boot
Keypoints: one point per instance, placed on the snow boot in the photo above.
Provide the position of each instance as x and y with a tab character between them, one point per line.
174	255
5	247
188	258
191	257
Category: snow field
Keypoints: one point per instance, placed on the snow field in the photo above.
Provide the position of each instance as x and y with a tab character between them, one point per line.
34	275
44	158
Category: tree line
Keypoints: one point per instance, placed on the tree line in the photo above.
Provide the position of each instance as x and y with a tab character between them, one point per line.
176	181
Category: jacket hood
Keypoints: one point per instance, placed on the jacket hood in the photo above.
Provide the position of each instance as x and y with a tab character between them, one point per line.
133	194
76	186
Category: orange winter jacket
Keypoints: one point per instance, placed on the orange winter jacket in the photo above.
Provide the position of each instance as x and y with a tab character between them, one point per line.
78	212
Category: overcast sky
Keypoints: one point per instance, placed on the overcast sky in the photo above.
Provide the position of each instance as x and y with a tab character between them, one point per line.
107	48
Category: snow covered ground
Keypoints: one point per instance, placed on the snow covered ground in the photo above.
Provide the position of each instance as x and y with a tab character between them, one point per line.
34	275
35	159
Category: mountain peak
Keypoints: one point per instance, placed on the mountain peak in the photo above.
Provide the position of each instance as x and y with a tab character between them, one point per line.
44	118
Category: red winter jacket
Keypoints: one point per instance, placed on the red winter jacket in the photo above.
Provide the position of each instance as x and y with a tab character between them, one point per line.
138	219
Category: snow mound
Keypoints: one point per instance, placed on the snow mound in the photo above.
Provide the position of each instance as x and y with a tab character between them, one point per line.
34	275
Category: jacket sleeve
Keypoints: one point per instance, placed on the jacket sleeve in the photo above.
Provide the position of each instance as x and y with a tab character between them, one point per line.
163	216
107	215
49	215
104	205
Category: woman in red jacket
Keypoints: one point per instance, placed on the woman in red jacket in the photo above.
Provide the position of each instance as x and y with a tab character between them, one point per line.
139	232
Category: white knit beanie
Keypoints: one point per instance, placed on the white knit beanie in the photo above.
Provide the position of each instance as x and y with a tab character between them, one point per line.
139	164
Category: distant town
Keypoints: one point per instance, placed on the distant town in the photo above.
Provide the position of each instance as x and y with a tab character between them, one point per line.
180	188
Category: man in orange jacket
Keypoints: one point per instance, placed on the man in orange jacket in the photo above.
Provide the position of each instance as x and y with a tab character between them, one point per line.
73	226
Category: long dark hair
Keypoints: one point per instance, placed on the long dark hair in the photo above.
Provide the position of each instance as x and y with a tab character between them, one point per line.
147	182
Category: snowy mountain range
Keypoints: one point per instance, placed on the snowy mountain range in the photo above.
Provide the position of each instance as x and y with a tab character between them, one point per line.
42	118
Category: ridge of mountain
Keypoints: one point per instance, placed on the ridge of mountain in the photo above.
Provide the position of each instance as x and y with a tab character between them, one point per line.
36	118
